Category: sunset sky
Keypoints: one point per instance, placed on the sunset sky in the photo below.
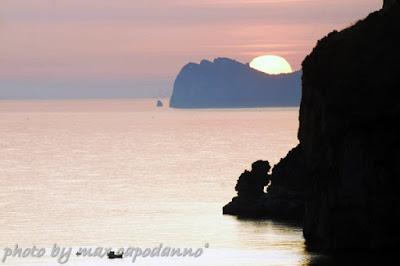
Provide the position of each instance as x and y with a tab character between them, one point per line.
135	48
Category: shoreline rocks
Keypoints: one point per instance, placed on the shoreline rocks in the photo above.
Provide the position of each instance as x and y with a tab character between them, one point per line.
346	169
279	202
250	190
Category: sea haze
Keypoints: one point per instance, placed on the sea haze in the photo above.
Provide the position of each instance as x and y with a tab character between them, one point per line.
125	173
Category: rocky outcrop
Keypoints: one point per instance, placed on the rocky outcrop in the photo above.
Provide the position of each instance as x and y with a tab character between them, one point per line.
226	83
285	197
346	169
350	138
250	191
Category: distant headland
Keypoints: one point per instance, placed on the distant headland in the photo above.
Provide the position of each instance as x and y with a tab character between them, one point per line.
226	83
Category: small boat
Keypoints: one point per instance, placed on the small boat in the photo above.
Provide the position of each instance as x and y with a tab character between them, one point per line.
160	103
113	255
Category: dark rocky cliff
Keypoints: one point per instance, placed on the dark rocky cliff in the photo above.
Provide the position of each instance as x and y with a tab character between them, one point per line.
387	4
346	168
228	83
349	134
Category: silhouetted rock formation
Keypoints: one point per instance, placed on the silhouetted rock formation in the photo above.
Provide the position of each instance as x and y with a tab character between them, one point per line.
159	103
288	186
347	165
228	83
251	184
350	138
285	197
250	189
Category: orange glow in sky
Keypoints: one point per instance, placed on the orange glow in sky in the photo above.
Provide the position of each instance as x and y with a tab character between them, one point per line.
271	64
142	45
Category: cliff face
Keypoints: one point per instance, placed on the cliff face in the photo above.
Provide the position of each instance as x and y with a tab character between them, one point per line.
344	176
387	4
349	136
228	83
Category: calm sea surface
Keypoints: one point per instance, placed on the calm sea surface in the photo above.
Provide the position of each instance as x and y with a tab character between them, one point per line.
119	173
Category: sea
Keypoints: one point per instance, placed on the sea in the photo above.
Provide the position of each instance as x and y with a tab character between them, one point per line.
114	174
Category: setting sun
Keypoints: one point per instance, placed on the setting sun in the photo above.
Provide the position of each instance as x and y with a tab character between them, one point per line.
271	64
